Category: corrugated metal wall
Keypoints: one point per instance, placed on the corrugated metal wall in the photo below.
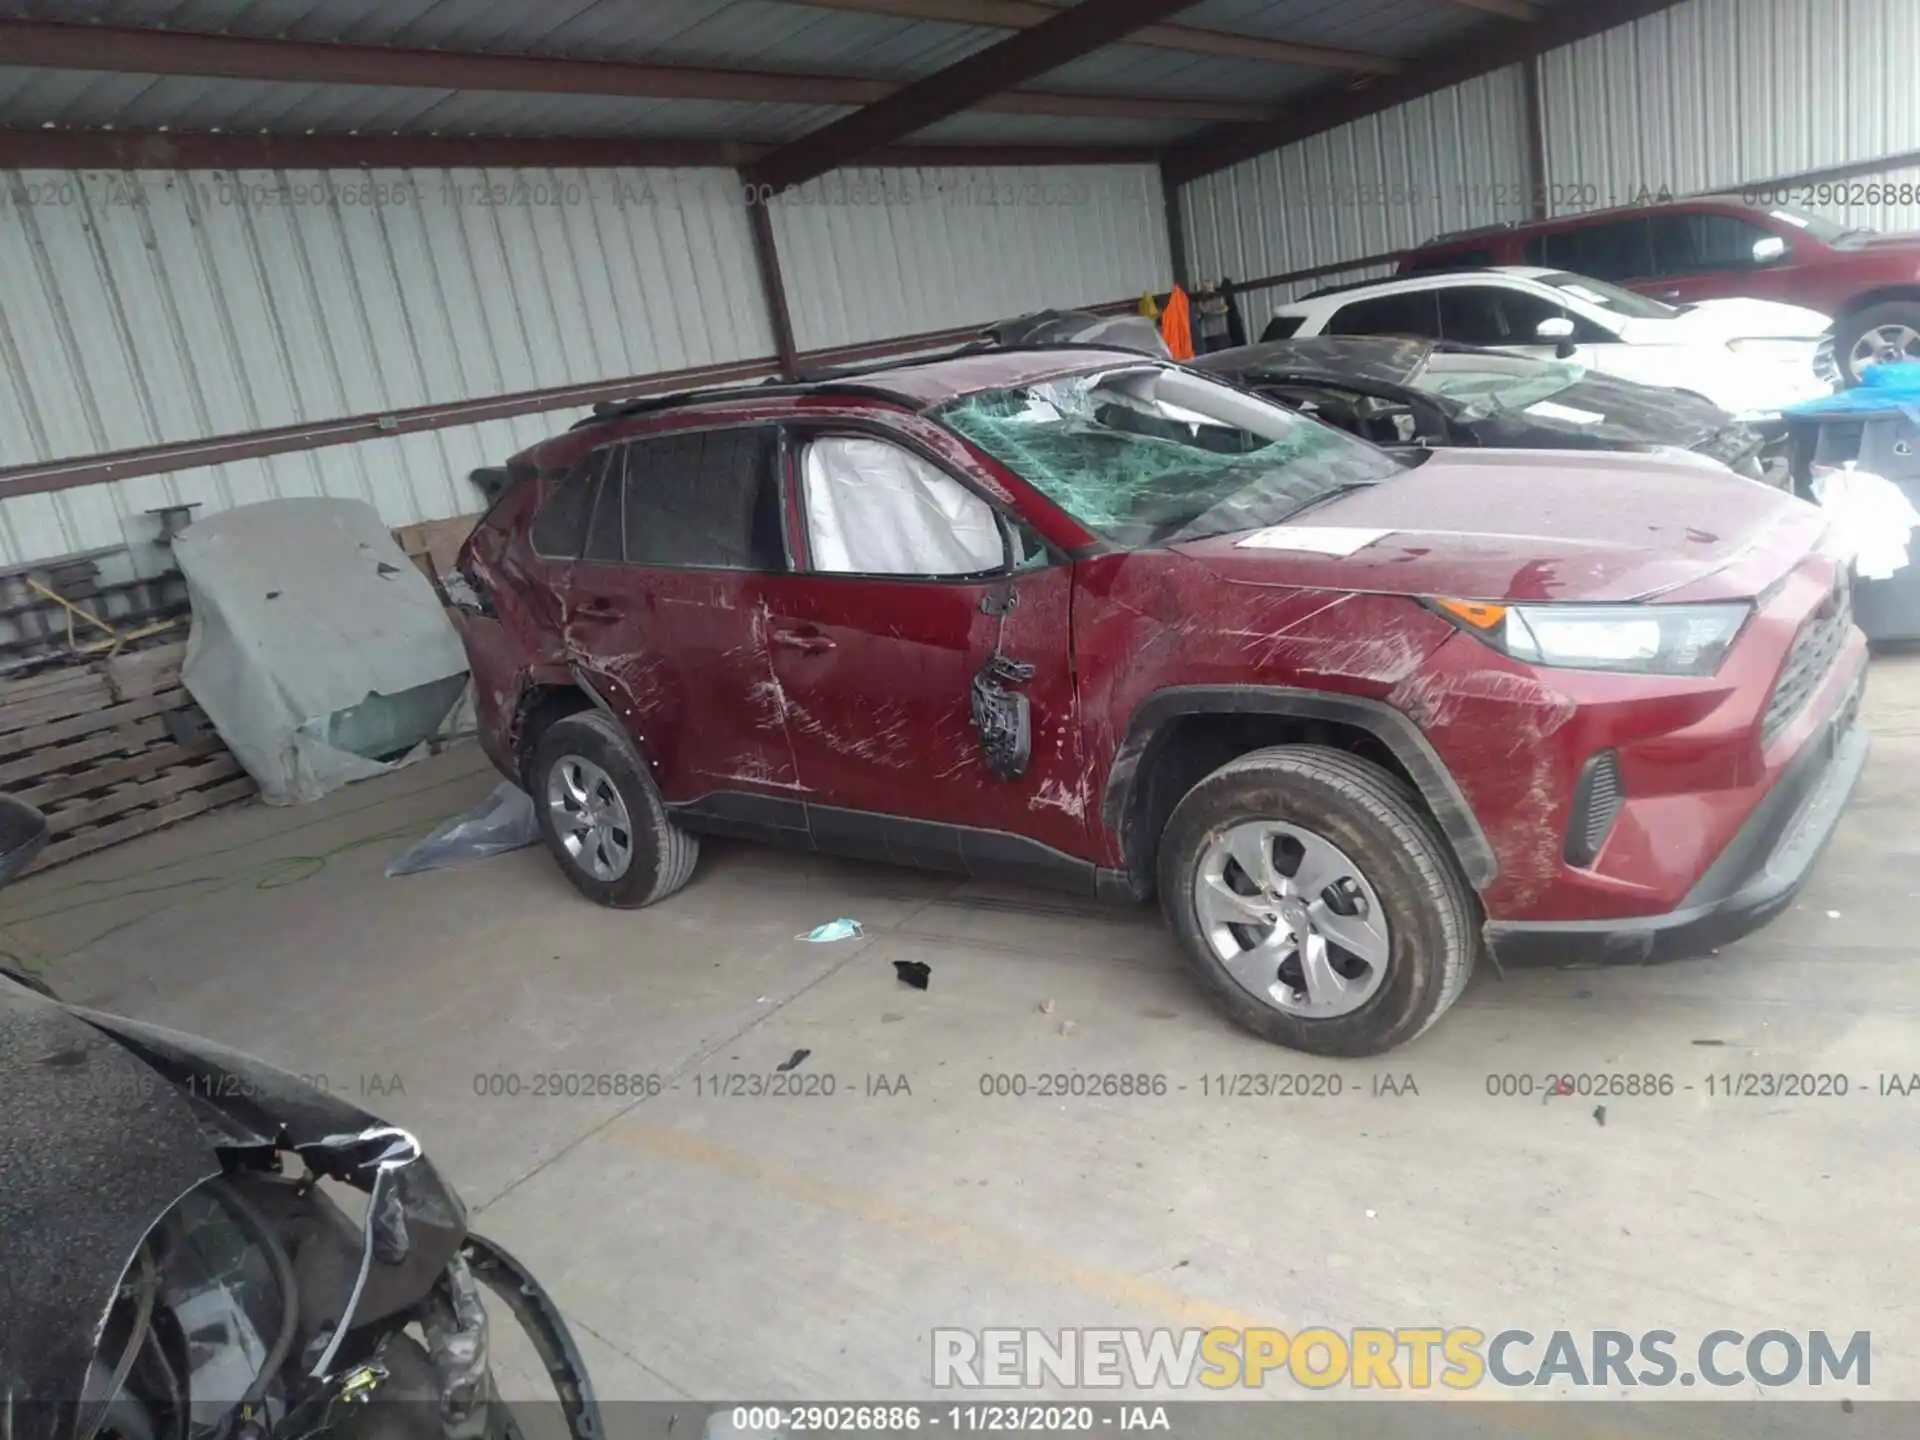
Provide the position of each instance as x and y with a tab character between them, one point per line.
871	254
1710	95
1715	94
140	308
1445	162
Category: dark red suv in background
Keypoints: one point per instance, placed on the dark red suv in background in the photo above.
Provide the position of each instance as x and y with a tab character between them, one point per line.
1081	615
1722	246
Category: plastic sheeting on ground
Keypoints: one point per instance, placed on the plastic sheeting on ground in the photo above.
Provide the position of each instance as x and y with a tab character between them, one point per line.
503	821
318	650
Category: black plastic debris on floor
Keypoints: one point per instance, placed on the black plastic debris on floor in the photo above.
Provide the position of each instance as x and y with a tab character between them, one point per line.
792	1062
913	972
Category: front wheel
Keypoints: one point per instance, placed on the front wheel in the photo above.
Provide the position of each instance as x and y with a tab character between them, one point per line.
1317	901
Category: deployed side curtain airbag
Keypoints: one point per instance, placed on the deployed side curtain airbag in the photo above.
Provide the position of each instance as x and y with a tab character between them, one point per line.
876	509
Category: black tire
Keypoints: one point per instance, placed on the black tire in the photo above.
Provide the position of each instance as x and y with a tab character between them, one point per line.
663	855
1370	814
1850	330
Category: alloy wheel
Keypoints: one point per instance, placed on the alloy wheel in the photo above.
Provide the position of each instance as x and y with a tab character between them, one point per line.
1884	344
1292	918
590	817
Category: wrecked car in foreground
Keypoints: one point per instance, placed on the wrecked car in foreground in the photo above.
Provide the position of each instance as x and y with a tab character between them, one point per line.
161	1274
1078	615
1397	391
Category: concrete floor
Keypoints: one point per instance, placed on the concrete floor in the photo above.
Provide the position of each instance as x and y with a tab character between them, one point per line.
796	1247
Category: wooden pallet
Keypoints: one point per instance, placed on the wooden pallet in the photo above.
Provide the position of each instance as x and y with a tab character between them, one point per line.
112	750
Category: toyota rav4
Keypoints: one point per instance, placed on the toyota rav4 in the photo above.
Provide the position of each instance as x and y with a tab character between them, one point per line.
1083	616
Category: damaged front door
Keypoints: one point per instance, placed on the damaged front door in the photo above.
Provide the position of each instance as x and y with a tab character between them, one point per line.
665	613
925	636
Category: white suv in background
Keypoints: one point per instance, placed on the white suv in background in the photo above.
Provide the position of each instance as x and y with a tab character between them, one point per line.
1750	357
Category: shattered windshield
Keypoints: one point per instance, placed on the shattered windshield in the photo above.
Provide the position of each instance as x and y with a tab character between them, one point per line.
1148	454
1487	383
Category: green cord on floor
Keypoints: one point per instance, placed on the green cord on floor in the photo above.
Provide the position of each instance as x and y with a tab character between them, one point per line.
276	874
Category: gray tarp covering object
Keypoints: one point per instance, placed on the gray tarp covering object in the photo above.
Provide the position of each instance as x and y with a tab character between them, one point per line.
318	650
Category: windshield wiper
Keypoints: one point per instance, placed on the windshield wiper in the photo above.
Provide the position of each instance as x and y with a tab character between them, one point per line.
1346	488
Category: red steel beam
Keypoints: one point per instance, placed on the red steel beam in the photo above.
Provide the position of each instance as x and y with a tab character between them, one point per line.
135	51
1189	39
1488	48
773	288
46	477
980	78
183	150
1509	9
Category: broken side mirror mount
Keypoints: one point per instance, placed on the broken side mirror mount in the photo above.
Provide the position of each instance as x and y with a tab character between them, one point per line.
1002	716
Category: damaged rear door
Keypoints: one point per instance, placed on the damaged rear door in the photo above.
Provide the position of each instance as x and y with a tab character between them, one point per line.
664	610
924	661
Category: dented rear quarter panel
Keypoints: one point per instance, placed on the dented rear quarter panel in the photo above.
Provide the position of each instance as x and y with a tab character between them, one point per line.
519	644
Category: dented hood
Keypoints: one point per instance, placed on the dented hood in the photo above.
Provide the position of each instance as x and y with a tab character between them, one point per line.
1522	525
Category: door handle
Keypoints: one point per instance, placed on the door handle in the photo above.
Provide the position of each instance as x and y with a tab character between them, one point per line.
808	641
1666	294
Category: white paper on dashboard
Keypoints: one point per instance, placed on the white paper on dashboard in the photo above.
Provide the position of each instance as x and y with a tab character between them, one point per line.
1547	410
1312	539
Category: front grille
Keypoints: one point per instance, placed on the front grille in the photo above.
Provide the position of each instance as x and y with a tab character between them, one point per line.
1596	803
1731	445
1826	365
1815	648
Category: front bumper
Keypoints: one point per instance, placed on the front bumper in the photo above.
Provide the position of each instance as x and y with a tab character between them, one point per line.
1755	878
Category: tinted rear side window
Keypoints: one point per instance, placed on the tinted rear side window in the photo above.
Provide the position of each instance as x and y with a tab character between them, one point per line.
1282	327
1617	250
603	530
560	529
1494	315
1704	241
704	499
1413	313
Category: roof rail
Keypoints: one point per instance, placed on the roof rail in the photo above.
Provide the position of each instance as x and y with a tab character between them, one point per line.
825	377
1494	229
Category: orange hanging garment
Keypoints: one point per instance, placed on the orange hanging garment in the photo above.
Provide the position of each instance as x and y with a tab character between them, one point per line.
1176	326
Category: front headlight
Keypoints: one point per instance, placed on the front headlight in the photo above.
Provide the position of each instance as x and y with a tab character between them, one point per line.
1638	639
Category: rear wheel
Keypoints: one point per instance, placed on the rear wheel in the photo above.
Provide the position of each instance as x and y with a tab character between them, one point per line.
602	818
1317	900
1880	334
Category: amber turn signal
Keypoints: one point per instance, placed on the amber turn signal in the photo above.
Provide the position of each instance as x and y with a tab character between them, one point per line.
1477	613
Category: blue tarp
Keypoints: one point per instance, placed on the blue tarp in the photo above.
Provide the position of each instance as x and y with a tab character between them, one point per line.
1883	390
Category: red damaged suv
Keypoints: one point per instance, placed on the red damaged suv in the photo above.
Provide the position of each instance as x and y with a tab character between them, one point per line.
1081	616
